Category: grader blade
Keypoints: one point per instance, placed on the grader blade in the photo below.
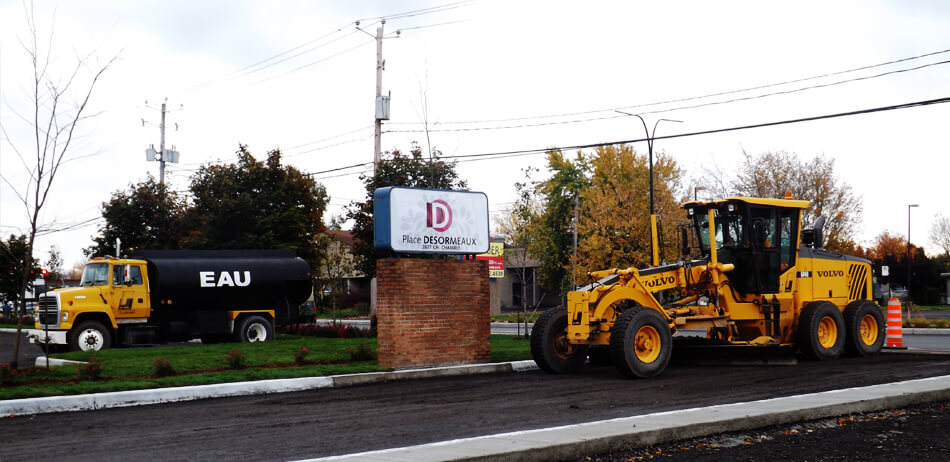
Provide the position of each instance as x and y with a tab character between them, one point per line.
705	352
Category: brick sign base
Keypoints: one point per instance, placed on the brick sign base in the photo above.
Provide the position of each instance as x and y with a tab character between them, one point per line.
432	312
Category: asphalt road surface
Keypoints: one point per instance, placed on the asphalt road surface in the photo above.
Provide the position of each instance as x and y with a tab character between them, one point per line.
360	418
28	351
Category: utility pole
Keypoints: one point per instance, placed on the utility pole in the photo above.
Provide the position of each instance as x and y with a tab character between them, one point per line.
161	149
377	144
162	155
382	101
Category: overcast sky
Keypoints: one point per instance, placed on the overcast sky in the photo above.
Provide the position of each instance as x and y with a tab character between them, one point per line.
488	77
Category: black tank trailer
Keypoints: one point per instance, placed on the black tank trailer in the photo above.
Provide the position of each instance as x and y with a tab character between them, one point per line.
199	293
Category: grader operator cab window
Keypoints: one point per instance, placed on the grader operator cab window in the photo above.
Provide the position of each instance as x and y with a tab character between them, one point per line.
759	240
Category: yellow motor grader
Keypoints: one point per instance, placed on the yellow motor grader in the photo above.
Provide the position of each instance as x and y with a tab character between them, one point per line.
761	281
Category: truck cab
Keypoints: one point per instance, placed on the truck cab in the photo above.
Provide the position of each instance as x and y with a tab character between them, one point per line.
112	293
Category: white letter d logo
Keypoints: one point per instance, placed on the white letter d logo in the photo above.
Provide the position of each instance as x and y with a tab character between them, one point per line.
438	215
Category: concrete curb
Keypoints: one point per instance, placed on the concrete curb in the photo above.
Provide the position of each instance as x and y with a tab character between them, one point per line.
94	401
42	360
925	331
577	441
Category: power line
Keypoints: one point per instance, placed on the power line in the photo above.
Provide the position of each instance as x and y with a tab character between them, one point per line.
242	70
313	63
422	11
708	132
526	152
712	95
680	108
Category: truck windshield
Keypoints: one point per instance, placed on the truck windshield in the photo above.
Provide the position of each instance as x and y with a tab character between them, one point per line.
95	274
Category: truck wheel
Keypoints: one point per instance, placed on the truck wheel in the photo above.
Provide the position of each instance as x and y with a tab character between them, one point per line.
821	332
90	336
864	324
550	347
254	329
641	343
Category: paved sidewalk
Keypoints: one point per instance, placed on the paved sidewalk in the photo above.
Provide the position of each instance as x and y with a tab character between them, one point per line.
577	441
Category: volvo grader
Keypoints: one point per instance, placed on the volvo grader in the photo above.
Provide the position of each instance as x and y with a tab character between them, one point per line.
757	280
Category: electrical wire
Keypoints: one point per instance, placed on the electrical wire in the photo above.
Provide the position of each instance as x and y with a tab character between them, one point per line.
526	152
248	69
712	95
680	108
422	11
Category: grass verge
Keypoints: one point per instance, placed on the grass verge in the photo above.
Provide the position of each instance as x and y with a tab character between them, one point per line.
197	364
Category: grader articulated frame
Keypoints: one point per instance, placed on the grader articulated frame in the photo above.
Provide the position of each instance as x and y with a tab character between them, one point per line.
761	281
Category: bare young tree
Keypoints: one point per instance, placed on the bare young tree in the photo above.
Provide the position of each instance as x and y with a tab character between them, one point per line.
940	233
59	105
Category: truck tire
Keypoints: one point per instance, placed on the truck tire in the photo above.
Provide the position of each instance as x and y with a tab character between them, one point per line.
90	336
254	329
641	343
821	332
864	326
550	347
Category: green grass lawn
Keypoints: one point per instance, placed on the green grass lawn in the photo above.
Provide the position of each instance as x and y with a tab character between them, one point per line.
197	364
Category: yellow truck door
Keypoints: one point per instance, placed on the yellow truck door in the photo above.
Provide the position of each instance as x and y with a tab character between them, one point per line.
130	295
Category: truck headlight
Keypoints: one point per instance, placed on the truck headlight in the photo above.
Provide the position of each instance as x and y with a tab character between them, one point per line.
65	316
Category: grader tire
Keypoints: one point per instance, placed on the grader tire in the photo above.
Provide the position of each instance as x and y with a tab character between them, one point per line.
864	326
641	343
550	347
821	331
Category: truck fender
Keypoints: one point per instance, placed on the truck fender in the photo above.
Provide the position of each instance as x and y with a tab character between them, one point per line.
638	295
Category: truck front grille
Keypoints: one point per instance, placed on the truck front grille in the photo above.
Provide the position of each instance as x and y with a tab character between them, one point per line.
48	311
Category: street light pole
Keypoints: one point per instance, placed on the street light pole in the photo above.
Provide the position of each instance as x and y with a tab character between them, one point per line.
654	234
908	250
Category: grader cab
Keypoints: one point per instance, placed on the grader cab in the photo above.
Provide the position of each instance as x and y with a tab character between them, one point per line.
760	281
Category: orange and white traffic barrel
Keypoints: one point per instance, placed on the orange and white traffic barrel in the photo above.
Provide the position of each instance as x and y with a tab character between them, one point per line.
895	326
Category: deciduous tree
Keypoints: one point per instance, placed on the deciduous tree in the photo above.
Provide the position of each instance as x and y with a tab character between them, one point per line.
771	174
256	205
615	210
940	233
13	264
147	216
57	106
552	230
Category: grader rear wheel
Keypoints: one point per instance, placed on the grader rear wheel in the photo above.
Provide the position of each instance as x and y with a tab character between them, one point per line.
864	325
641	343
821	332
550	347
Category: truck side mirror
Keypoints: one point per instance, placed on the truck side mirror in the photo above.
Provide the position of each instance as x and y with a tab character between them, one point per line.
126	275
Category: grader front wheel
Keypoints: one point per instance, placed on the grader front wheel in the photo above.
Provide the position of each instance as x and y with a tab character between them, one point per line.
550	346
641	343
